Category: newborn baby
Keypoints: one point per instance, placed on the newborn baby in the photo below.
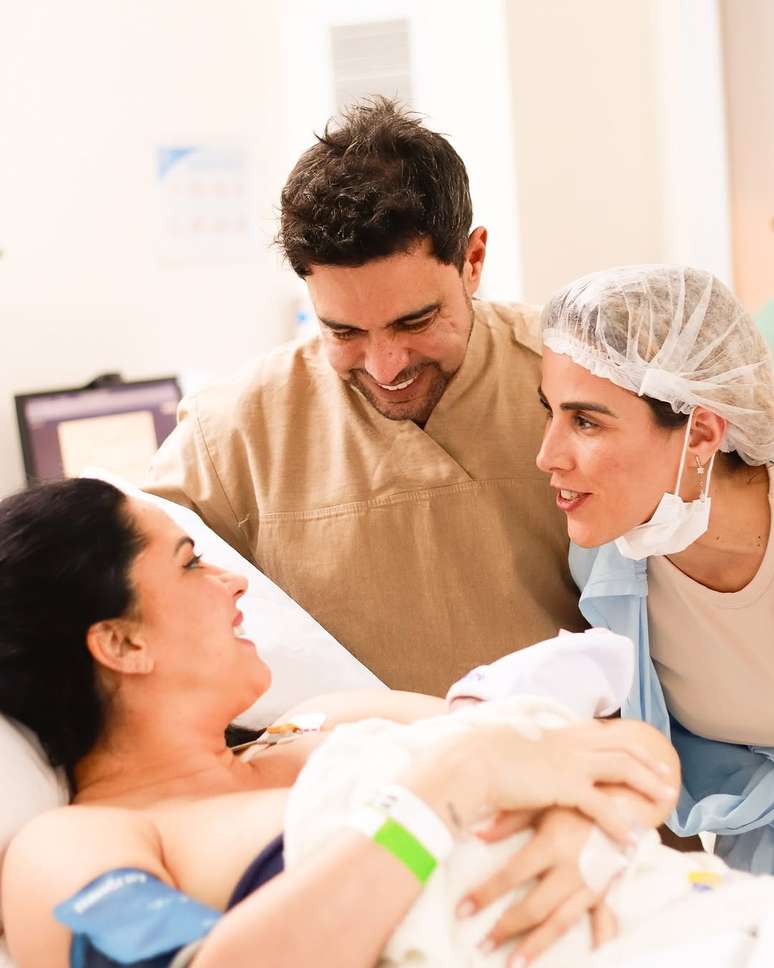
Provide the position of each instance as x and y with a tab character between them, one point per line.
663	900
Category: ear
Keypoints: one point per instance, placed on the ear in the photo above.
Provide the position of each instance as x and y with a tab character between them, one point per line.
707	433
116	645
474	260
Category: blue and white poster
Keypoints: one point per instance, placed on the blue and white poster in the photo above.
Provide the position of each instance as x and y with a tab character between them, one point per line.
206	211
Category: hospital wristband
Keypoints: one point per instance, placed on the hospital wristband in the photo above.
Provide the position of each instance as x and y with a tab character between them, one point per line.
407	827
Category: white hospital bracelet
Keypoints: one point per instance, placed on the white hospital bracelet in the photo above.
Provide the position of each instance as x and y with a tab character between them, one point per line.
405	826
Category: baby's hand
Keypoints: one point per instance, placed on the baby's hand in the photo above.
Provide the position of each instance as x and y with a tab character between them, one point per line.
563	891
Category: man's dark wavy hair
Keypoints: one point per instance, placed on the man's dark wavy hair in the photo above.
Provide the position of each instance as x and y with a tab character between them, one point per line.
371	186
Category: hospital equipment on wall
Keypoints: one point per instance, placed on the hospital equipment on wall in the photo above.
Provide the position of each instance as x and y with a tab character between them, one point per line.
108	422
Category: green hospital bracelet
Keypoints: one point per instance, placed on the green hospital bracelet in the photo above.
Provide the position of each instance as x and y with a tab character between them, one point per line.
406	826
394	837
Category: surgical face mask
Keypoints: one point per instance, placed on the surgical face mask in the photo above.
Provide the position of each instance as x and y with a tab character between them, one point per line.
675	523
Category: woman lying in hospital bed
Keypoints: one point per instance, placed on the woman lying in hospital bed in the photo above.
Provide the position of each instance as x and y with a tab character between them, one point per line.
129	678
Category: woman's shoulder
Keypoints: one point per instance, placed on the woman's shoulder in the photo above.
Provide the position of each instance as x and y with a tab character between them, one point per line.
74	831
53	857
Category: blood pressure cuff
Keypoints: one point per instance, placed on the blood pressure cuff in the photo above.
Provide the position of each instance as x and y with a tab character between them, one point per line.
128	917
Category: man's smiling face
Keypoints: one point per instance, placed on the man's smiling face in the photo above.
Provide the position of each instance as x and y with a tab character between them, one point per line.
397	328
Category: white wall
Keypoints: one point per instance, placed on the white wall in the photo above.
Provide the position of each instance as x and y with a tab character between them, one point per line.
88	90
460	81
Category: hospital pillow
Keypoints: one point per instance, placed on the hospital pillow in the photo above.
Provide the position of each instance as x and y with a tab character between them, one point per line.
30	785
305	661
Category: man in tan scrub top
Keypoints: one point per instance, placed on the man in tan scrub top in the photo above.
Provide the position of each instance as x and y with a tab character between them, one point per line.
383	473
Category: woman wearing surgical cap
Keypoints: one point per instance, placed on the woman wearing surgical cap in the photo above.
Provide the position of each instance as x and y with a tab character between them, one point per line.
660	435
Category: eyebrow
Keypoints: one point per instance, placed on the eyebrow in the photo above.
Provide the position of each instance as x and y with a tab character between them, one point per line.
411	317
182	543
579	405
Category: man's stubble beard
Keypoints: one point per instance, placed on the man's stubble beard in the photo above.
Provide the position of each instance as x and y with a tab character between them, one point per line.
416	410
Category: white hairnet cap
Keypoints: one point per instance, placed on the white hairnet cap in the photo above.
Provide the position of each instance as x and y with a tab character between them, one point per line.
674	334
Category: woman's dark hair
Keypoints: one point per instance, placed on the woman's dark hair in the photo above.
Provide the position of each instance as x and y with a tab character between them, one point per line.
666	417
66	550
374	185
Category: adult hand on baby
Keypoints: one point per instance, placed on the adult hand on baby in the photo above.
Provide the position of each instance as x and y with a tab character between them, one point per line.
560	895
616	771
570	767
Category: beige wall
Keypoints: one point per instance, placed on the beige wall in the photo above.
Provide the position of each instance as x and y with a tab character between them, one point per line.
588	138
619	136
748	33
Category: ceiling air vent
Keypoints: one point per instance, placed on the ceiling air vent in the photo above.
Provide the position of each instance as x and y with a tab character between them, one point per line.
371	58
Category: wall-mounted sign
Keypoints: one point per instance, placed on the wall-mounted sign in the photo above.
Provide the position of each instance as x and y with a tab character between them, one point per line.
205	204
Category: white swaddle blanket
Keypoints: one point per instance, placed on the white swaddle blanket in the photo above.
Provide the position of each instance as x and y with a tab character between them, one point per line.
664	901
358	760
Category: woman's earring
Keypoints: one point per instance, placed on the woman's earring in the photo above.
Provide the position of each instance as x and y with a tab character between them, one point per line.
699	468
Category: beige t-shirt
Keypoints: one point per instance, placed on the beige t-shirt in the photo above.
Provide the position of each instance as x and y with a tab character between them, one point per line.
714	651
425	552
